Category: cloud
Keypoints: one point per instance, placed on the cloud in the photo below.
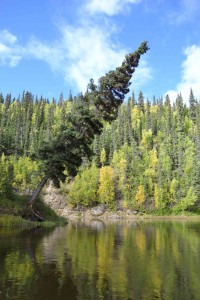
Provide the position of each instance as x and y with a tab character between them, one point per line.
7	38
82	51
190	75
87	52
91	53
10	51
187	11
110	8
53	54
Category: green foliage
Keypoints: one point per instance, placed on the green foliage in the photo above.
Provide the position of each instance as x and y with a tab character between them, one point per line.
159	197
103	157
8	221
189	200
26	173
4	182
84	188
173	189
162	156
119	163
113	87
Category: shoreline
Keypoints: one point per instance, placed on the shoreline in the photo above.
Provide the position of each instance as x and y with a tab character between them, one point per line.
57	202
112	216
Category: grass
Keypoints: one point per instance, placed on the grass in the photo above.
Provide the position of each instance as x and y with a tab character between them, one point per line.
14	221
14	213
8	221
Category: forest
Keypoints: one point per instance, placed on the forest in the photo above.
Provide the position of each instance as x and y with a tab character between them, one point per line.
148	158
141	154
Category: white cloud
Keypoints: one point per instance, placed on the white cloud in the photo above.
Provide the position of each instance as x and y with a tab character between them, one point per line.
7	37
83	53
91	53
187	11
80	53
10	51
190	75
110	7
52	54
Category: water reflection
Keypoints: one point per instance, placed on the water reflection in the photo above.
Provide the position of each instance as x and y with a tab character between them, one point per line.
139	260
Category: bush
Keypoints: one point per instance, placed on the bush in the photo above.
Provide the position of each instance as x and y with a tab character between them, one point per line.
84	188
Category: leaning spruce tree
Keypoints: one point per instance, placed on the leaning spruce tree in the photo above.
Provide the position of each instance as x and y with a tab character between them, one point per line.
101	102
112	88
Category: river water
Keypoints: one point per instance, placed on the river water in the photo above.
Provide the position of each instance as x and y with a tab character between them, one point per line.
138	260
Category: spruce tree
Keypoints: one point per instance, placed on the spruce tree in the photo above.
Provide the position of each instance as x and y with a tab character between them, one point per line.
8	101
140	101
1	98
192	107
148	115
196	170
113	87
69	147
74	139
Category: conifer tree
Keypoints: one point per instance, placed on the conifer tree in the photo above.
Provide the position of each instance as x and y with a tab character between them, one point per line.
8	101
196	169
192	106
113	87
140	102
73	140
1	98
148	115
96	151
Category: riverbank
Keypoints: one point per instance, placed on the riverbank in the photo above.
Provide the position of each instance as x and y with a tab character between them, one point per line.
87	215
54	210
53	198
15	213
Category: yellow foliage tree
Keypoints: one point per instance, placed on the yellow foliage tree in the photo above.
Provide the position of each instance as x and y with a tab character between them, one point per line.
140	195
103	157
173	189
189	199
26	172
3	174
106	186
153	158
159	197
136	116
146	138
84	187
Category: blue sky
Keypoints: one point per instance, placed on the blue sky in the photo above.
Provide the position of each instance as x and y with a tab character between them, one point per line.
53	46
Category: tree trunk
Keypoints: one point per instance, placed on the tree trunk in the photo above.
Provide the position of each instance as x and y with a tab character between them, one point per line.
37	191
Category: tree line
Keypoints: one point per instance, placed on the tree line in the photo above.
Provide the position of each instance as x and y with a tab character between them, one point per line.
147	159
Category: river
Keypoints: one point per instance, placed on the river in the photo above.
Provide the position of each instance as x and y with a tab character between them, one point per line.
140	260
